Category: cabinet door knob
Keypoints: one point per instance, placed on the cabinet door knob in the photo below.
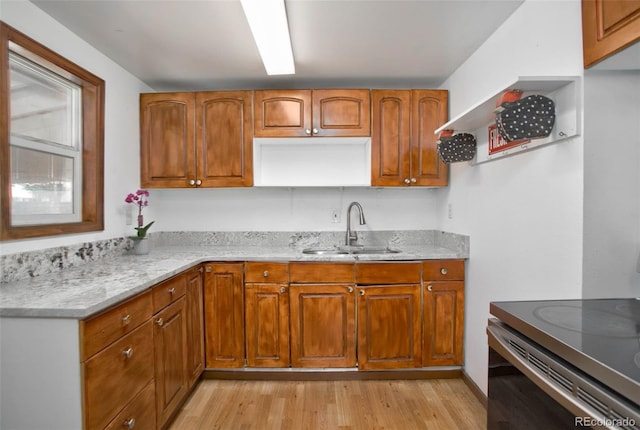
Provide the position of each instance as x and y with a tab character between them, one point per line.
283	289
407	181
315	131
362	292
126	319
308	131
414	180
429	287
208	269
198	182
160	322
192	182
129	424
350	289
171	291
265	273
128	353
444	271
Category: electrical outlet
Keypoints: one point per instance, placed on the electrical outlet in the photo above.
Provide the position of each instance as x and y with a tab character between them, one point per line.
335	216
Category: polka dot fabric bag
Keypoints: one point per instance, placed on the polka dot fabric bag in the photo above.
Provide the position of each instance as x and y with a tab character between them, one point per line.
459	147
532	117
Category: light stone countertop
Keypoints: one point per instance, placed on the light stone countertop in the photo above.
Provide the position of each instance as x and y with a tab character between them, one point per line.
79	292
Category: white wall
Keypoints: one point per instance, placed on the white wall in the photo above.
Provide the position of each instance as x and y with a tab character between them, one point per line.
612	183
523	212
122	159
292	209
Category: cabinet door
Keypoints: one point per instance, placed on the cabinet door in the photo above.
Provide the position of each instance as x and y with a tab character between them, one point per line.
195	326
224	316
389	327
608	26
167	145
322	325
428	112
170	357
390	137
341	113
282	113
443	323
224	141
267	325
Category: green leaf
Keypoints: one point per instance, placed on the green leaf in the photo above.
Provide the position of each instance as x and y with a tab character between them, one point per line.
142	231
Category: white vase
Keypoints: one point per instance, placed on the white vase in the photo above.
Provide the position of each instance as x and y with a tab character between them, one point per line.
141	246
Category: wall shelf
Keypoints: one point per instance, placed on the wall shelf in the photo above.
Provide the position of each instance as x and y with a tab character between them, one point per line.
563	90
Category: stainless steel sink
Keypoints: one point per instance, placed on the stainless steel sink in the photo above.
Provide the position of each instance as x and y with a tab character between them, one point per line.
375	251
324	251
350	250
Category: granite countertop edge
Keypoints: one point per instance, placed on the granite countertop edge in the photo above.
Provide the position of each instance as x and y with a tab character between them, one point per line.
80	292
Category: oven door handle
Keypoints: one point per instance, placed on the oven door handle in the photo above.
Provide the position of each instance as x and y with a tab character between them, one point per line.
496	338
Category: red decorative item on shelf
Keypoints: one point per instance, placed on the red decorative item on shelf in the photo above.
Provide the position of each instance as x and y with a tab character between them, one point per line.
509	96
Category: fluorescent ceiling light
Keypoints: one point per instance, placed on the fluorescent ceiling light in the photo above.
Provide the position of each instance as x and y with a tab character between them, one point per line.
270	29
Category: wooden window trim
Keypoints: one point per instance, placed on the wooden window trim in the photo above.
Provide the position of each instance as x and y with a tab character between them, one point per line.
93	89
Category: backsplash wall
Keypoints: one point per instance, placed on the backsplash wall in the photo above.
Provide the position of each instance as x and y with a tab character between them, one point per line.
286	209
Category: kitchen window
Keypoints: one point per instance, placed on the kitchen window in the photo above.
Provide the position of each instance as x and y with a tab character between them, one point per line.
52	141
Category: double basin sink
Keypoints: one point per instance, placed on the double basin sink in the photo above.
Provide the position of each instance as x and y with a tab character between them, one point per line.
350	250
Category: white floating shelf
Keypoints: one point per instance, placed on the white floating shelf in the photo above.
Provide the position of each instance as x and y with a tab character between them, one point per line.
563	90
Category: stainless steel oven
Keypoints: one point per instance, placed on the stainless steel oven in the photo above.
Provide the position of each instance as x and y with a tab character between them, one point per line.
564	365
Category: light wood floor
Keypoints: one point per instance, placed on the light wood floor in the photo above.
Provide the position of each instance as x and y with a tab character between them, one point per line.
432	404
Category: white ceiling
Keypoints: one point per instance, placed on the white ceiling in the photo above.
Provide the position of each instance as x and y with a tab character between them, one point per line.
177	45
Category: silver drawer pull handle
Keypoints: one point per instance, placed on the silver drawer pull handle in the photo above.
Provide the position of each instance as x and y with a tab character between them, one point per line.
128	353
172	291
129	424
265	273
126	319
160	322
444	271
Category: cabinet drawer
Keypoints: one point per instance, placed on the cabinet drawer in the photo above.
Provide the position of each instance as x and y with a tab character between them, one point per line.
102	330
168	292
139	413
443	270
387	273
114	375
304	273
266	272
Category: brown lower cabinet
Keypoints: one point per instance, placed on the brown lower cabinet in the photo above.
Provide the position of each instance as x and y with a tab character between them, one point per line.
443	300
322	325
170	335
389	315
373	315
322	315
140	358
267	314
224	315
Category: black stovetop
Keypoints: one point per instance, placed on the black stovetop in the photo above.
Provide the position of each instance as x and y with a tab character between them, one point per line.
601	337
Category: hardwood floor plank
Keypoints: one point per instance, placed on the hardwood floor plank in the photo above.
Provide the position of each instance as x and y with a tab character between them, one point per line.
431	404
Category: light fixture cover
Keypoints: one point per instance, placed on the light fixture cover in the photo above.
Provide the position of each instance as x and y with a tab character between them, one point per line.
270	28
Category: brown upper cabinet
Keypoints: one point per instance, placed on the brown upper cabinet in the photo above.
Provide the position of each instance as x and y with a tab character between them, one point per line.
403	143
200	139
608	26
311	113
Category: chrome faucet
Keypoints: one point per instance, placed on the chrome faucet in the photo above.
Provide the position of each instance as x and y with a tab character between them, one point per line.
352	237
